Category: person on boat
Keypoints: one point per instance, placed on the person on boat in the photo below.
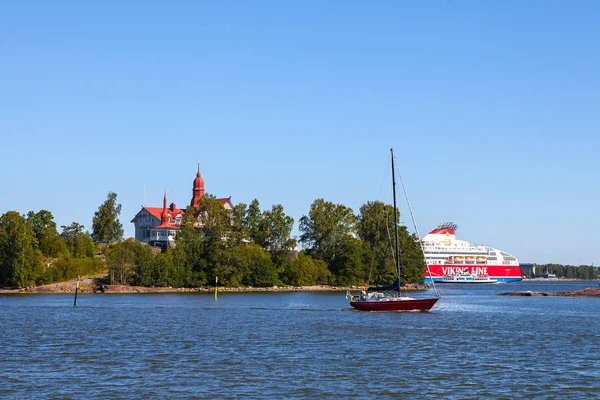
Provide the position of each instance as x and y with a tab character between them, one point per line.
363	294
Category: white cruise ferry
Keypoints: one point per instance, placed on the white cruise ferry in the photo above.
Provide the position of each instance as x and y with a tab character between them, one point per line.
447	256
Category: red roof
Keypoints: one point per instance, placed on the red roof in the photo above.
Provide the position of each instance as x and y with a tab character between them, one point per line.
166	226
157	211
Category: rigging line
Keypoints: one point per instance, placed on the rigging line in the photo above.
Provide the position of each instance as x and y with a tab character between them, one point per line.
387	228
380	196
412	216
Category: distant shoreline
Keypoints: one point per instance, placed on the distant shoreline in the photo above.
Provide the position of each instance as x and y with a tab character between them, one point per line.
89	285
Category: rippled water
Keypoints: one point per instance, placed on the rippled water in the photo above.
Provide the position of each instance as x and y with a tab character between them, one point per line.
473	344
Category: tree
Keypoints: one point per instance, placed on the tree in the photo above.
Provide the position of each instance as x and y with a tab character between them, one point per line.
105	225
19	255
325	227
215	223
350	266
253	222
376	227
412	261
79	243
69	268
247	264
240	230
49	240
305	270
127	257
277	228
189	252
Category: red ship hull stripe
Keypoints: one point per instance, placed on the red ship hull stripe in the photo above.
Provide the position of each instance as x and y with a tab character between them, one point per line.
491	270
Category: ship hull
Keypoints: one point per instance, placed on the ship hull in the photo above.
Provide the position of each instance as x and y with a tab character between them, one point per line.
501	273
395	305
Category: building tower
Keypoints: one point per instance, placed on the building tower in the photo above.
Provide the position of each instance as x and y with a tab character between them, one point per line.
164	216
198	191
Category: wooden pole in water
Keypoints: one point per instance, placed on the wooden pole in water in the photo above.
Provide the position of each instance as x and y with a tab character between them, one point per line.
76	290
216	285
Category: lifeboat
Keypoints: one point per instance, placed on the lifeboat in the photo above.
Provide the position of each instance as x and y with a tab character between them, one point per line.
459	259
448	260
481	259
470	259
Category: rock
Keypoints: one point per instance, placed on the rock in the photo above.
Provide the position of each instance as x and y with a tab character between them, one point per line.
589	292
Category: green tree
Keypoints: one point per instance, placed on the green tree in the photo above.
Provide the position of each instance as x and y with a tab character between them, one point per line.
20	261
79	243
172	274
376	228
159	270
129	258
305	270
49	240
216	227
253	223
325	227
240	230
277	228
214	219
188	255
245	265
412	261
105	225
350	267
69	268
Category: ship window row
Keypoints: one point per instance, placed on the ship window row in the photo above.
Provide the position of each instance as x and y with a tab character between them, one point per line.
449	251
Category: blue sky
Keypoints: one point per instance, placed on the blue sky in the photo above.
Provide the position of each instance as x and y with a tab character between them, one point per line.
492	108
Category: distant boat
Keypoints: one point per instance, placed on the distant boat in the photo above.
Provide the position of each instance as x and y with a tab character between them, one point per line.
391	300
465	278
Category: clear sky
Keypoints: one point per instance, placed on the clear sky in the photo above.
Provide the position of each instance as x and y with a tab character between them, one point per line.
493	109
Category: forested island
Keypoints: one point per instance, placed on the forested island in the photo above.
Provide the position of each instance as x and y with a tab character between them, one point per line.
586	272
243	247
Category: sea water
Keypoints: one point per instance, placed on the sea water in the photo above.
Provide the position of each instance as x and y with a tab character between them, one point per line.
473	344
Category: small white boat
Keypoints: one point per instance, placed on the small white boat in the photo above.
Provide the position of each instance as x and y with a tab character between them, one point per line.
465	278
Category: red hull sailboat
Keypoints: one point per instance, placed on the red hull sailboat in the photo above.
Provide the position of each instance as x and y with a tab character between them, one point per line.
399	303
393	300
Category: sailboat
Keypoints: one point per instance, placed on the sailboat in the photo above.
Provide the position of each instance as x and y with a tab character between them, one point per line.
393	300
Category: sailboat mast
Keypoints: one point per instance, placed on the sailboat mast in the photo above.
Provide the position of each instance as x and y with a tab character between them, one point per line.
397	258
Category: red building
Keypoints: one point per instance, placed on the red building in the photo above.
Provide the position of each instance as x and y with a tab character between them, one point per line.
159	225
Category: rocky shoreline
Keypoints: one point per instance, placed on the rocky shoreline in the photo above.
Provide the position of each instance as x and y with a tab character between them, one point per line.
90	285
589	292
